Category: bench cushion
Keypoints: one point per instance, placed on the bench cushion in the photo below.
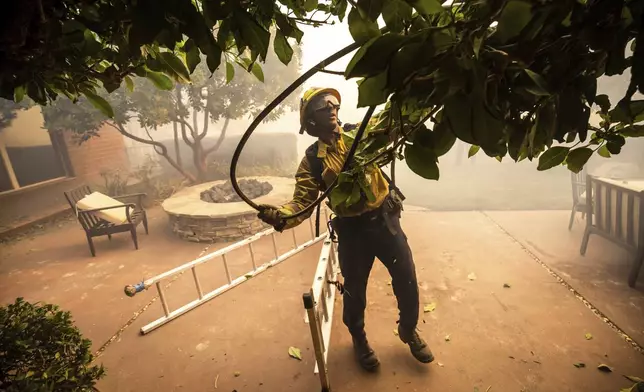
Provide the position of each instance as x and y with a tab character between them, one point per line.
116	216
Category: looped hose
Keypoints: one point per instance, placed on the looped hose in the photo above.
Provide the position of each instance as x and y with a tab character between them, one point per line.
288	91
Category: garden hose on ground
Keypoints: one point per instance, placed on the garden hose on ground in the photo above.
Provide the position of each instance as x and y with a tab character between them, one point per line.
288	91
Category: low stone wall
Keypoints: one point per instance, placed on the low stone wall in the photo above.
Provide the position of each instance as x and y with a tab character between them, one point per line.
216	229
195	220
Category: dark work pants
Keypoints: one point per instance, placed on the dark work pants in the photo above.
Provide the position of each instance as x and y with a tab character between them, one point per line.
362	239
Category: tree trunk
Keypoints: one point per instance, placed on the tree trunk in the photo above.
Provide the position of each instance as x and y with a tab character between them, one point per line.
159	148
177	150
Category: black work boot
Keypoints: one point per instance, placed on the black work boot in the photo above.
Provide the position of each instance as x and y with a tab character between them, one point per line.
419	349
365	354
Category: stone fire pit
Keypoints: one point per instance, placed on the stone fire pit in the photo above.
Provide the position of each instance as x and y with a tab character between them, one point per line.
194	219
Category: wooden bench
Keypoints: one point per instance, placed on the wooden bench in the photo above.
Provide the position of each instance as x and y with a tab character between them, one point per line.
616	212
116	217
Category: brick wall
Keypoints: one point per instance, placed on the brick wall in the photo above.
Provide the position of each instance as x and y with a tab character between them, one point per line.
100	153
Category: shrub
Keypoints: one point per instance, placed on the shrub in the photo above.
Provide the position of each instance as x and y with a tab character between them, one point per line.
41	350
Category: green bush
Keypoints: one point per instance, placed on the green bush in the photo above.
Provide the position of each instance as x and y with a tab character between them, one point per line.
41	350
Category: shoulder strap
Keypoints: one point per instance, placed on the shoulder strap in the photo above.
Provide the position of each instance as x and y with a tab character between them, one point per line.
315	164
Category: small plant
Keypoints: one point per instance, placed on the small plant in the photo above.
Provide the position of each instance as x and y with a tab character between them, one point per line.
115	182
41	350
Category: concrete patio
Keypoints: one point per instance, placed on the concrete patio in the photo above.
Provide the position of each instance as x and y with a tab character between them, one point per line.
522	338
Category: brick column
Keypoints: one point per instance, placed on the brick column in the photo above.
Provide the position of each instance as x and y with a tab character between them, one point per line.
103	152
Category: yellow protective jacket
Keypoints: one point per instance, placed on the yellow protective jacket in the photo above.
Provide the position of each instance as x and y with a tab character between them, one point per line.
307	188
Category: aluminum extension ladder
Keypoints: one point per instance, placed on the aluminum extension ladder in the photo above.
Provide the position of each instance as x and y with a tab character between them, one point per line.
202	297
319	302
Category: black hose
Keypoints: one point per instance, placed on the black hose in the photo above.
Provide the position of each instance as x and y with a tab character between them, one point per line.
288	91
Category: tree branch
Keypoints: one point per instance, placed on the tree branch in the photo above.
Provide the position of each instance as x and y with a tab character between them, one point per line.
220	140
195	125
203	133
163	150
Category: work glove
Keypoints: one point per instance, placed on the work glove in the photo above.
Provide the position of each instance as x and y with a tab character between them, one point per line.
272	216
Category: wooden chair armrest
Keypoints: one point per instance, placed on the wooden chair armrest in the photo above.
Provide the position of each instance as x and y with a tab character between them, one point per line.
139	198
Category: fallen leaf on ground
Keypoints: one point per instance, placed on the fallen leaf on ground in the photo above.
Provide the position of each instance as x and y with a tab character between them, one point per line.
237	374
430	307
579	365
605	368
471	276
295	352
589	336
505	285
396	332
635	388
447	338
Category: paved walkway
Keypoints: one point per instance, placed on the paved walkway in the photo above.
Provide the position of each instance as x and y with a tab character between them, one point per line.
523	338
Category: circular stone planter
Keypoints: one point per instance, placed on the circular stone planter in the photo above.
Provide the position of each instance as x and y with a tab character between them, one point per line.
199	221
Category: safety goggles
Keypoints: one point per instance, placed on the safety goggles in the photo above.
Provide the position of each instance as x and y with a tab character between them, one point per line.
325	103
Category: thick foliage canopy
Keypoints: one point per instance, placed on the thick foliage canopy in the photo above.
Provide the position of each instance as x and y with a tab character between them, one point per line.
510	77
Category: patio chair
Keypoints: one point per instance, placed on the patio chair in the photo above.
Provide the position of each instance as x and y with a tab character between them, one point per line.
111	215
578	195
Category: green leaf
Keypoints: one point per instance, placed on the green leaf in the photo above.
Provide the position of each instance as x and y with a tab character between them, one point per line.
514	18
579	365
552	157
373	57
588	336
442	139
129	84
427	7
605	368
310	5
621	112
371	91
422	161
396	13
362	30
175	65
429	307
160	80
371	8
355	195
258	72
282	48
99	103
254	35
472	151
577	158
192	55
539	84
603	151
230	72
458	114
603	101
633	131
295	352
19	93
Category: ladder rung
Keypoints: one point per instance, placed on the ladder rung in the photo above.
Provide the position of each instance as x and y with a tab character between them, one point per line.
197	283
166	310
223	257
252	255
274	244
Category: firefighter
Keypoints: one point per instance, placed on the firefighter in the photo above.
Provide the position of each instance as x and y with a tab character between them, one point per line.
365	231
